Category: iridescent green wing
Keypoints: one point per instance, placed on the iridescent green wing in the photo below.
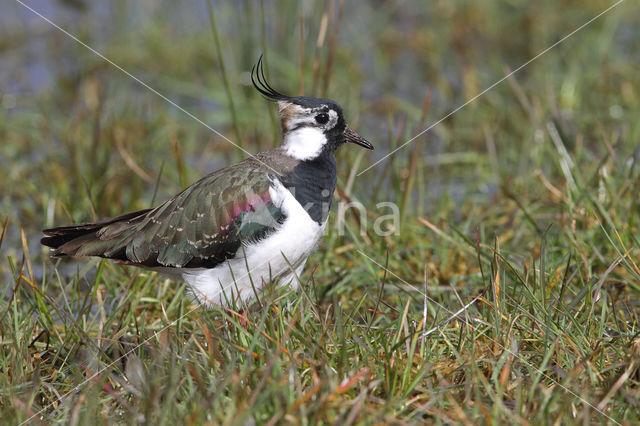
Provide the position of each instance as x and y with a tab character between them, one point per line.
200	227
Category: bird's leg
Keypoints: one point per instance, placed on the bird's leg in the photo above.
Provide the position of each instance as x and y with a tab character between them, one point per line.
242	319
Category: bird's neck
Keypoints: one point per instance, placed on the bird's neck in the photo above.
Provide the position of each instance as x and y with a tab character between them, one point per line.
304	143
312	184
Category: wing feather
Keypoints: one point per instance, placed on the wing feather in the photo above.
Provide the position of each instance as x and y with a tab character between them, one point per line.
207	223
200	227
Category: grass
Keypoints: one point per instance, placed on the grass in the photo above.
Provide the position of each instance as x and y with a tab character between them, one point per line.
522	208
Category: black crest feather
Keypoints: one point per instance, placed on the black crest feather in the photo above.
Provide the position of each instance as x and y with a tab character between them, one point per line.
262	85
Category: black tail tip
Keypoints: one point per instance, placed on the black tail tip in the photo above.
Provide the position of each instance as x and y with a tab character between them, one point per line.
54	242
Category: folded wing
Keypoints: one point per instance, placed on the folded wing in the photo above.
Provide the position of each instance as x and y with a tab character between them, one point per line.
200	227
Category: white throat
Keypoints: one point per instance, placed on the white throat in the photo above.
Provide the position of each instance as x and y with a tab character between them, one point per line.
305	143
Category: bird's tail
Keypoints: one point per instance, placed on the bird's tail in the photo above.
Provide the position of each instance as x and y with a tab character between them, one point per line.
90	239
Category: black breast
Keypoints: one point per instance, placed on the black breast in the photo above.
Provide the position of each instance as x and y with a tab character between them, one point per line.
312	184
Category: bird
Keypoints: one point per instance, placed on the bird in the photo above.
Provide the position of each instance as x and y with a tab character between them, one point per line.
237	229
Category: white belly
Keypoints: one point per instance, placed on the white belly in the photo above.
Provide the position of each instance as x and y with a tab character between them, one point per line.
277	256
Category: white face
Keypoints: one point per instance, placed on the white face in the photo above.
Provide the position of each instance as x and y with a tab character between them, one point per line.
304	129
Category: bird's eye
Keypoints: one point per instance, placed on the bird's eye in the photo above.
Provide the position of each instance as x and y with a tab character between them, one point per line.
322	118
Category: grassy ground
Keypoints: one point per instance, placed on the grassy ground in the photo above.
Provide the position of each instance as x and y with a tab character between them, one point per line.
525	204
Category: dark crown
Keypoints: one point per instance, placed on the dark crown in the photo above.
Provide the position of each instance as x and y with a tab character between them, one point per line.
261	84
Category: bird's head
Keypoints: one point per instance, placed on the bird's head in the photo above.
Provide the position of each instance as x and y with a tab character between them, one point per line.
310	126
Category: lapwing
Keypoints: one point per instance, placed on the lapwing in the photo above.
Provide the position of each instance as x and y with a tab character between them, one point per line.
239	228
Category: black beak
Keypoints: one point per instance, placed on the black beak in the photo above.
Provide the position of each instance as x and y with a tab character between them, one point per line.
350	135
